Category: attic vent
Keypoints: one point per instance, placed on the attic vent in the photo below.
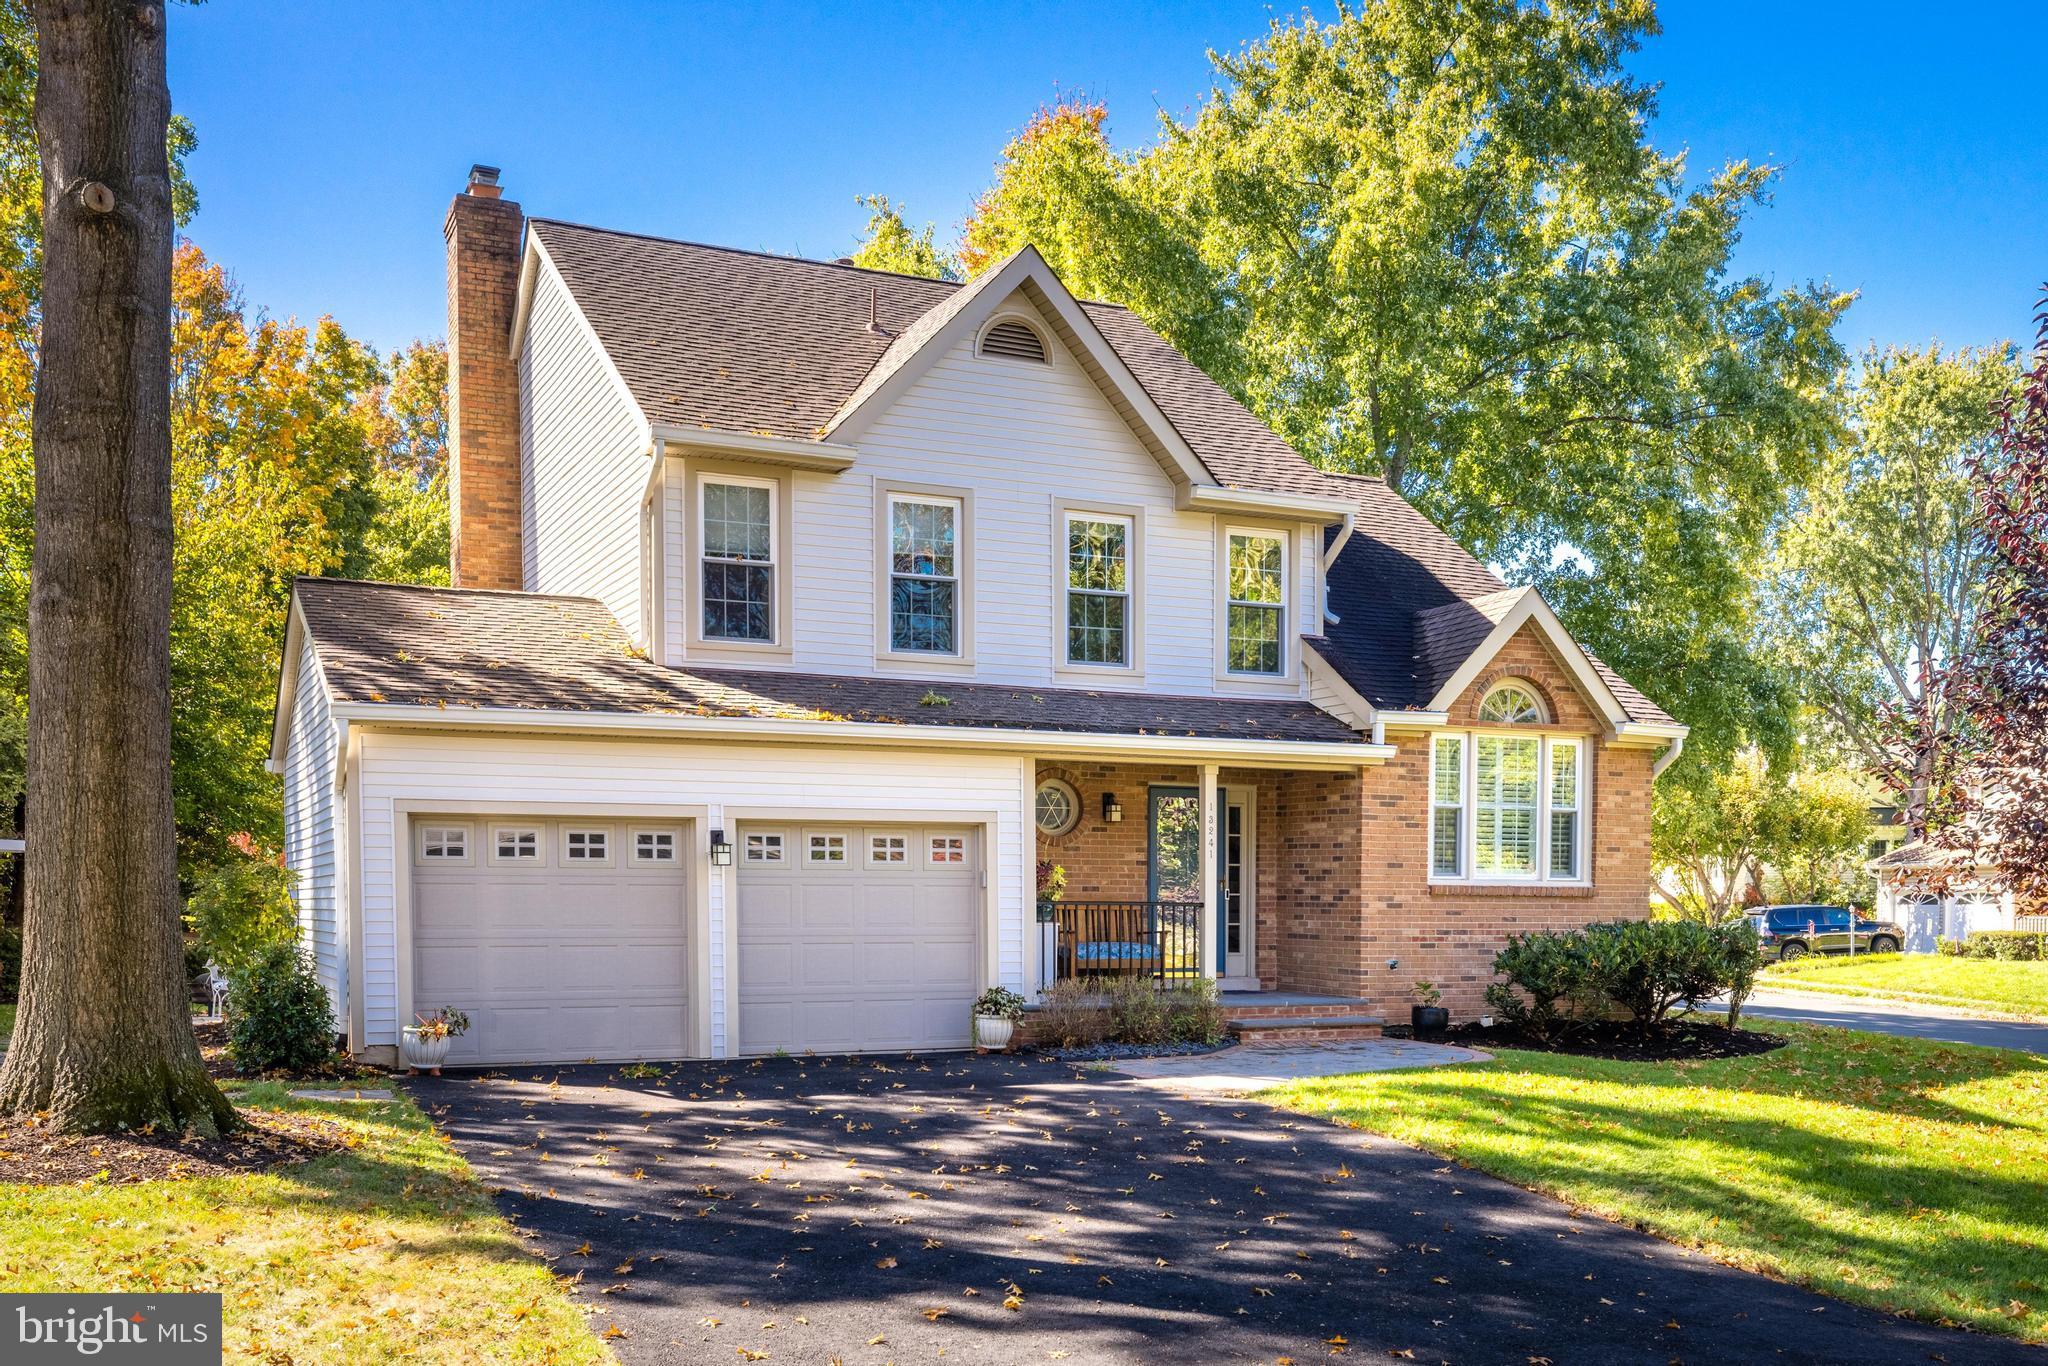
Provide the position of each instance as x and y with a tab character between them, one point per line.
1015	340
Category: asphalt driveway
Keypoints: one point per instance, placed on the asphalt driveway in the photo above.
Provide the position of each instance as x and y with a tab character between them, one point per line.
1010	1210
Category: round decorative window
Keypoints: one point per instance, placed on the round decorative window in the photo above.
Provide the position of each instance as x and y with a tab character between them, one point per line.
1057	808
1512	703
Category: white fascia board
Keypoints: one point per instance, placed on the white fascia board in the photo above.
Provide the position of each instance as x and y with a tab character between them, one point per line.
1531	607
287	685
832	457
1264	753
1414	720
1648	733
1216	498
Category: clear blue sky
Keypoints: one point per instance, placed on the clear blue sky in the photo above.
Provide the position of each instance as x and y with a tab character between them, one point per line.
331	136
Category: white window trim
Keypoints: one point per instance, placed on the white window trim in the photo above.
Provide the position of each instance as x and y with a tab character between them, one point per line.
675	846
781	846
1290	648
845	844
780	561
1074	795
1064	512
1037	327
603	861
437	833
932	842
540	846
867	843
1468	853
889	492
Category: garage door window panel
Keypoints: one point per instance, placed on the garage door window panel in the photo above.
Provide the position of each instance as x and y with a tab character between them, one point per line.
825	848
586	847
764	847
444	844
888	850
654	846
517	844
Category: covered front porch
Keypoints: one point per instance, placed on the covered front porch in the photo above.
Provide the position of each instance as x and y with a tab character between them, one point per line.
1178	873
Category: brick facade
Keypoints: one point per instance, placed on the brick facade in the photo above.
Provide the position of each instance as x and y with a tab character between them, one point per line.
483	234
1342	859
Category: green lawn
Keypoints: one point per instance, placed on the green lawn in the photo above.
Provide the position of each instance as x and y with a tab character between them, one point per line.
388	1250
6	1024
1984	984
1899	1173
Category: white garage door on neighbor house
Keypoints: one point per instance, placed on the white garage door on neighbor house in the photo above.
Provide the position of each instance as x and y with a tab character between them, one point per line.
856	938
564	940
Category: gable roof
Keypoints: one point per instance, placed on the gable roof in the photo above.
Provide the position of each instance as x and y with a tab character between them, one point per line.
775	346
399	645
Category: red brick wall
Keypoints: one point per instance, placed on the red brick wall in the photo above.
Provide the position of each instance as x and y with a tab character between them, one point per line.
483	391
1343	859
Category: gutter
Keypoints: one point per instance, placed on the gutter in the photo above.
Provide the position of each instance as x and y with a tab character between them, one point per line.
1668	757
829	456
1324	754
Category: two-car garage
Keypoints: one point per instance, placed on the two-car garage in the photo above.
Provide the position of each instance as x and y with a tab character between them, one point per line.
568	939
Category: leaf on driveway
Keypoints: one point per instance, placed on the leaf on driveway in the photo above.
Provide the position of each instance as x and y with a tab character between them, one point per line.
887	1263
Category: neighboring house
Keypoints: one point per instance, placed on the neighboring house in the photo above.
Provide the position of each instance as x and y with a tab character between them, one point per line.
1920	889
802	611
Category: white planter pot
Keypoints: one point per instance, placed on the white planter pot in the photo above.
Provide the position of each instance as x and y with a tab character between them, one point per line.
425	1053
993	1031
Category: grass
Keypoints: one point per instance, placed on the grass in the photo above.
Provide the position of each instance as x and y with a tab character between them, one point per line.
6	1024
1982	984
388	1250
1901	1173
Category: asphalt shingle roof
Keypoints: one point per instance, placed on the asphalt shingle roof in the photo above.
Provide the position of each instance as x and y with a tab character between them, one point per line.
748	342
465	648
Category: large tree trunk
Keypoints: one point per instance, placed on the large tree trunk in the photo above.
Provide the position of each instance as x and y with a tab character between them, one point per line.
103	1037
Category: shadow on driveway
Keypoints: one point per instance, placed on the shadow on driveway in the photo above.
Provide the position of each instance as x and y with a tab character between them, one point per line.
1010	1210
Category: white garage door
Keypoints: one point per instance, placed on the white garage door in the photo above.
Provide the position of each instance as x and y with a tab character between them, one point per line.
564	940
857	938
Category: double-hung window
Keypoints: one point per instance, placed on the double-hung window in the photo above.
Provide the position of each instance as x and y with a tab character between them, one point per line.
1507	804
1098	589
1255	602
739	559
924	574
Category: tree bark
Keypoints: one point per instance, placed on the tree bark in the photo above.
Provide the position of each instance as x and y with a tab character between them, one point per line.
103	1038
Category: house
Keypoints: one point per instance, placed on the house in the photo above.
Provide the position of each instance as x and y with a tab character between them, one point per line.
1935	893
803	611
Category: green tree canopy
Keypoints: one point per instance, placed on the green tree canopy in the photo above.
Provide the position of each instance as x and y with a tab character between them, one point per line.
1877	578
1435	243
890	244
1750	825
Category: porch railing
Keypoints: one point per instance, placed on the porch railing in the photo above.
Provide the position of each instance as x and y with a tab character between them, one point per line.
1106	940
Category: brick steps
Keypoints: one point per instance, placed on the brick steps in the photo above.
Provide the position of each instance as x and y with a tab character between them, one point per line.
1296	1010
1305	1029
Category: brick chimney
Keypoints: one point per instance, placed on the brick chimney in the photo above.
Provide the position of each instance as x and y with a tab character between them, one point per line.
483	233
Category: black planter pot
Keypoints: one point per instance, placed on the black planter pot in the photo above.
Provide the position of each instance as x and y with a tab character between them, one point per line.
1429	1019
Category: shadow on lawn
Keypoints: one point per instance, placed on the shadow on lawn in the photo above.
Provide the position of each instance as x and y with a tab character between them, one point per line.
863	1194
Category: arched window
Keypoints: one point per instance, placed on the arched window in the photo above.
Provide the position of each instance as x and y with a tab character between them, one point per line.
1512	704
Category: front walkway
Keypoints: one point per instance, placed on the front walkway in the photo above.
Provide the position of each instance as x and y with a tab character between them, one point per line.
1009	1210
1241	1071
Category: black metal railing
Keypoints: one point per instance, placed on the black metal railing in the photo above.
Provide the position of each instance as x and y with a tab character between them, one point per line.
1106	940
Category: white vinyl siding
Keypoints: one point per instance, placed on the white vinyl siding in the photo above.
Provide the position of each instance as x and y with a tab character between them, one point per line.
310	838
507	771
583	462
1019	438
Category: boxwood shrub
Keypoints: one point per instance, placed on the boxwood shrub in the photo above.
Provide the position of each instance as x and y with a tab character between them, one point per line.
1556	981
281	1019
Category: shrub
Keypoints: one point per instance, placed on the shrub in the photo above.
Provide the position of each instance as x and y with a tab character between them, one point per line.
1194	1014
2009	946
1070	1015
1951	948
1548	968
1643	967
1137	1012
242	908
283	1019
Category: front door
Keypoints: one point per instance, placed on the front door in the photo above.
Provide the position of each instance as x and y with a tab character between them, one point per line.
1235	924
1174	860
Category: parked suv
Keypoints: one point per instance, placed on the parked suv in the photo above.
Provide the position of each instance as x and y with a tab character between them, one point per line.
1789	932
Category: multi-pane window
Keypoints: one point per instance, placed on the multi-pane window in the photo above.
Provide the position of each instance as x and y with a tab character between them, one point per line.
825	849
1256	602
445	843
587	846
924	575
513	842
1564	808
764	848
739	560
1511	704
1447	807
654	846
948	848
888	849
1098	589
1505	788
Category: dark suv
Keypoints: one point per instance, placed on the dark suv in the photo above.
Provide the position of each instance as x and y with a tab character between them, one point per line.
1789	932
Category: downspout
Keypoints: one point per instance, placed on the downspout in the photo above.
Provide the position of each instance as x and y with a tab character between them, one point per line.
1344	530
1666	759
1379	733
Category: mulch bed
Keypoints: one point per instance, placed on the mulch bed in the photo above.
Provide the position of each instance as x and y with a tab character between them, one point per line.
1680	1041
1107	1052
213	1047
31	1156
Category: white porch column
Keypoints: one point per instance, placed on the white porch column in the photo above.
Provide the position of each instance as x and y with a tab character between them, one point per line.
1211	967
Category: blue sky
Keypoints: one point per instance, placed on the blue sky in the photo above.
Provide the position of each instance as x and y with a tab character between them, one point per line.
332	135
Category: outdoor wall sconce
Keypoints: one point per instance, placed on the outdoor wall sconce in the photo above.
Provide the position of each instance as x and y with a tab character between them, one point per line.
1112	809
721	850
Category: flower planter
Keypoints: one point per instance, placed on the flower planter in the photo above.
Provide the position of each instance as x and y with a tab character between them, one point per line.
1429	1019
993	1031
425	1052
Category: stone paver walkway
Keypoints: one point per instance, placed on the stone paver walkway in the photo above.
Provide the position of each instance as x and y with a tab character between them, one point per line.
1240	1071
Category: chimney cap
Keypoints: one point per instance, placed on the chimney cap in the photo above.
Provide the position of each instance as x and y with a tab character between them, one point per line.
483	181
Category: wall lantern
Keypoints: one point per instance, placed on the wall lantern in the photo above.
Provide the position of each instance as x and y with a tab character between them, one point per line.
1112	809
721	850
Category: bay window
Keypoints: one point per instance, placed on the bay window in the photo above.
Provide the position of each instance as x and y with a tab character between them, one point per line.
1507	805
